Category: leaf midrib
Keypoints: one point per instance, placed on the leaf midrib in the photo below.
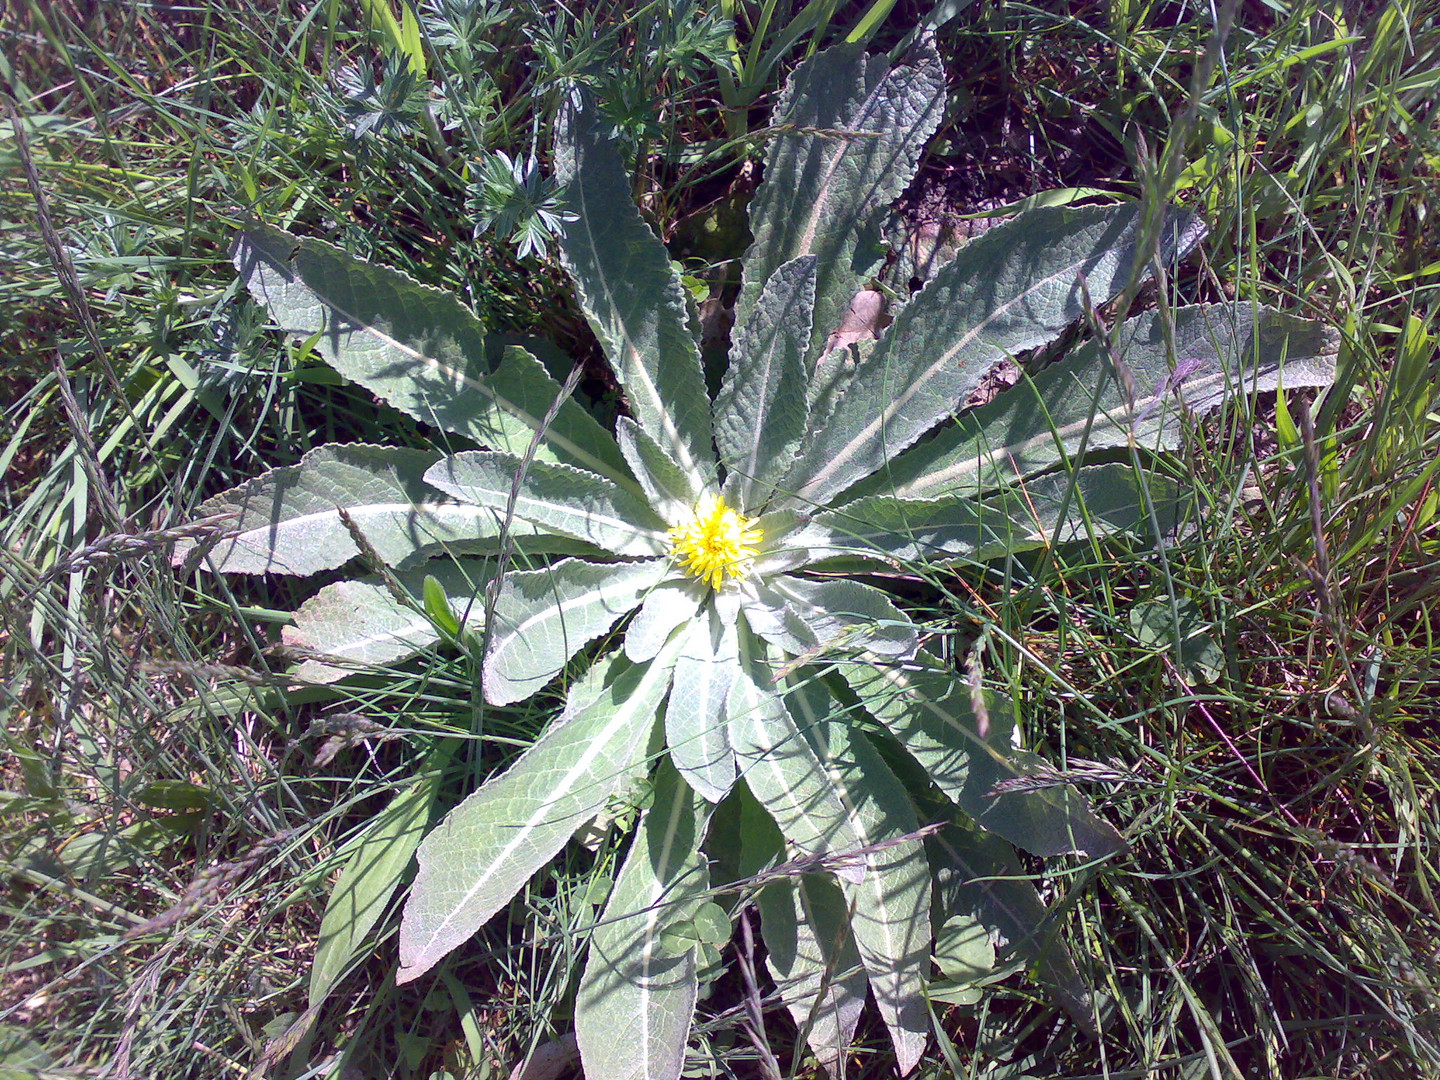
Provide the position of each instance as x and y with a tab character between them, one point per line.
366	510
496	499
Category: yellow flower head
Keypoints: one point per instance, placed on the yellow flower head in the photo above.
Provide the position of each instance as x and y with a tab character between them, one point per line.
716	541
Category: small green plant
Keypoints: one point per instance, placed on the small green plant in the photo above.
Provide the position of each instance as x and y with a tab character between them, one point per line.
760	687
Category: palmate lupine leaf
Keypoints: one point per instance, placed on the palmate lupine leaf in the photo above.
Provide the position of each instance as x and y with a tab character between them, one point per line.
1016	287
632	296
849	133
555	498
761	411
932	715
488	846
637	999
417	348
890	906
287	521
1222	350
544	617
361	624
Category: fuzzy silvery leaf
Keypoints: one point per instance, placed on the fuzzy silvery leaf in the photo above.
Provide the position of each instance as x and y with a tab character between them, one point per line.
781	770
696	715
779	554
761	411
771	617
1016	287
933	716
844	615
632	296
850	132
636	999
810	952
544	617
555	498
890	907
977	874
417	348
1095	501
814	961
668	606
842	436
287	521
671	491
1220	350
359	623
489	845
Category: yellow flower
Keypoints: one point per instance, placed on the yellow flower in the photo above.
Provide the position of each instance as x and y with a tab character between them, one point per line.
716	541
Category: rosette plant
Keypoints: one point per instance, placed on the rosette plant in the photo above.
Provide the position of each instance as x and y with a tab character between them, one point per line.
693	583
